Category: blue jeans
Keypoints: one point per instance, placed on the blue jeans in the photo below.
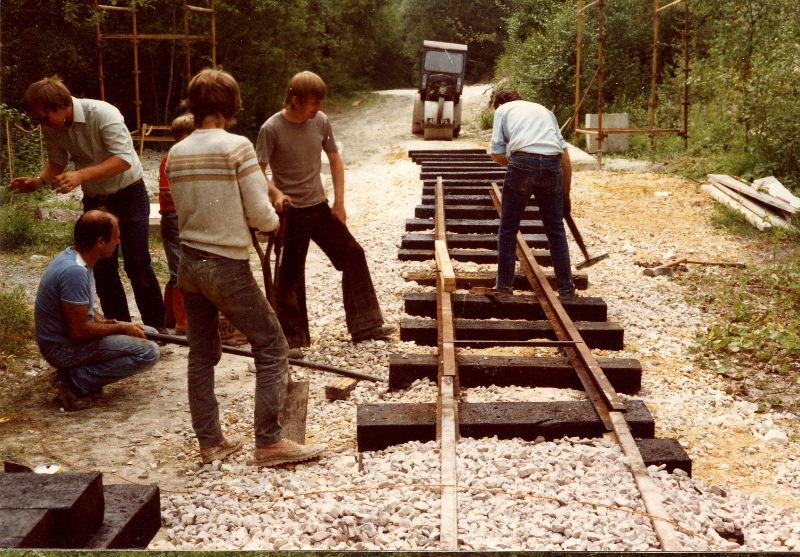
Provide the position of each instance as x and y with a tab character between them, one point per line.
541	177
132	207
172	245
212	284
96	363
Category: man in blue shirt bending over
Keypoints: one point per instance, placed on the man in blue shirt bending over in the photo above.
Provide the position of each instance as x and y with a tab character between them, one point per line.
87	350
526	139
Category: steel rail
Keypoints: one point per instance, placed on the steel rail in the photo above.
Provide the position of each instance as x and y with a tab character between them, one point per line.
446	401
606	402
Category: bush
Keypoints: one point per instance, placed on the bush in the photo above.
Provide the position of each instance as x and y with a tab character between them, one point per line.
21	232
16	323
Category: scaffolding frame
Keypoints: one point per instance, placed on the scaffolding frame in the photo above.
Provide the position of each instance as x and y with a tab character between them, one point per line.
143	131
652	131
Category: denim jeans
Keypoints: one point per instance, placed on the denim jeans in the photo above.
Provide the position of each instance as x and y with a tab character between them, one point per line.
172	245
212	284
334	239
132	207
96	363
541	177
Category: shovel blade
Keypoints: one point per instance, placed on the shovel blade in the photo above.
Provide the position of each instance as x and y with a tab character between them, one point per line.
294	412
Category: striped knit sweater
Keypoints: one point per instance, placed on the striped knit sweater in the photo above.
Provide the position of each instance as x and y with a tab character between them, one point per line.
219	192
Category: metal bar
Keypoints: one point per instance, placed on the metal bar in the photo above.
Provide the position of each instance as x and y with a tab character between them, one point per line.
601	60
669	5
578	48
108	8
651	495
594	381
653	105
182	341
642	131
156	37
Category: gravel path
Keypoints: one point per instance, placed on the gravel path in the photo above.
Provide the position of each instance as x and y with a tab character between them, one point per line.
571	494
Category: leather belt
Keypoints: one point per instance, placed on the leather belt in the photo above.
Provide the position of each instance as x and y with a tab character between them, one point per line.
534	155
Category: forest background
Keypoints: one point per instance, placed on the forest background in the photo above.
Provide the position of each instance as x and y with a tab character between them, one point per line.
744	82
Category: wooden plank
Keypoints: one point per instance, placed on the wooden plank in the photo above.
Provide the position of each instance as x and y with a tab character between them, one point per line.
752	193
604	335
478	370
468	279
772	186
379	426
445	266
340	388
503	306
476	256
132	517
470	212
448	479
457	199
725	196
473	226
425	240
752	206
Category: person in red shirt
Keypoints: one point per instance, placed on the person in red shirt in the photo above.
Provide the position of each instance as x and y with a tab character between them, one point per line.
175	316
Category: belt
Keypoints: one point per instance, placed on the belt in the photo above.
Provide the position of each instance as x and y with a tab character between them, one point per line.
534	155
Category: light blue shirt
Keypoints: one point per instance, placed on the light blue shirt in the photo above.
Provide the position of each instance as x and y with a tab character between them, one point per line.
97	132
67	280
525	126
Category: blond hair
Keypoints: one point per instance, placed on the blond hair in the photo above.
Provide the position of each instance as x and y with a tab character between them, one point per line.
305	85
213	91
182	125
48	94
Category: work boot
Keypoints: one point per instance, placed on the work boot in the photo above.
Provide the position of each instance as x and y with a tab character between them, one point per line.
382	332
69	397
223	450
286	452
572	296
295	353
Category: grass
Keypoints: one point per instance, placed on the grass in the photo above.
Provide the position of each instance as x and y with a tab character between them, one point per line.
754	339
22	232
16	323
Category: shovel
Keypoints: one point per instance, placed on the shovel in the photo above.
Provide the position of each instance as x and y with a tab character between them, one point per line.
294	413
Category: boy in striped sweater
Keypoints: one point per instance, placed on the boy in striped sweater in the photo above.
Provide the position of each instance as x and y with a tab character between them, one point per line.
220	193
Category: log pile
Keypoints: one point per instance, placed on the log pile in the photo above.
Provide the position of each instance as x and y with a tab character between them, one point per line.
765	203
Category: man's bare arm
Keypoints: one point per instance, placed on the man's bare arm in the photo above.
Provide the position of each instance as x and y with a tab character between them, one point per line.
81	328
68	181
337	175
24	184
500	159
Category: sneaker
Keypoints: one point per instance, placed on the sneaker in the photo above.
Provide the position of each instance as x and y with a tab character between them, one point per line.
295	353
223	450
286	451
69	397
382	332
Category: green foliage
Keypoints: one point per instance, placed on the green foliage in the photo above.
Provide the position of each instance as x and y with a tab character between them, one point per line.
757	327
21	232
16	323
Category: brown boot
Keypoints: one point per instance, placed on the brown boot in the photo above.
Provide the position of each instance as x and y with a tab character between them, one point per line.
286	452
223	450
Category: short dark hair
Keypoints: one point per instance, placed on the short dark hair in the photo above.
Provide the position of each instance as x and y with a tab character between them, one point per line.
48	94
91	226
504	96
213	91
305	85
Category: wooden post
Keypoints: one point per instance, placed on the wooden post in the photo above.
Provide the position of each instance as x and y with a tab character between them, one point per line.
654	75
214	33
578	45
686	75
100	70
601	54
137	99
186	41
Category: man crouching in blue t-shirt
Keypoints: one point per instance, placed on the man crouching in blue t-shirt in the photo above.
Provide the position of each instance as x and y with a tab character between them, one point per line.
87	350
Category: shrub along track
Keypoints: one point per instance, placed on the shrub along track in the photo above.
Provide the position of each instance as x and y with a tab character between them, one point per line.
461	203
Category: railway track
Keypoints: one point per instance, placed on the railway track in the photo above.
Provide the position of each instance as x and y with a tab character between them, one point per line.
457	220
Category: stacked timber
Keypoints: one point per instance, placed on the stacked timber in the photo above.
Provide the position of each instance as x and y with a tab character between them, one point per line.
764	203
